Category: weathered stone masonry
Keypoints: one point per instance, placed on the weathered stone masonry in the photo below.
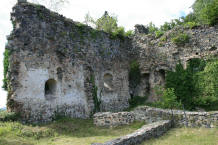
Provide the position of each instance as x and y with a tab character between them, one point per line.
57	65
146	132
53	60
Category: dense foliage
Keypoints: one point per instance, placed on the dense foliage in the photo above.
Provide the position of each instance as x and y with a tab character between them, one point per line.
207	86
180	39
168	99
206	11
195	86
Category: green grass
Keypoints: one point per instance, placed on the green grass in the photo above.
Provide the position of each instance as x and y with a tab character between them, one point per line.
187	136
62	132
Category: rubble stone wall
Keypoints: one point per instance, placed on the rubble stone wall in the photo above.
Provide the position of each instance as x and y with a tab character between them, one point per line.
109	119
191	119
144	133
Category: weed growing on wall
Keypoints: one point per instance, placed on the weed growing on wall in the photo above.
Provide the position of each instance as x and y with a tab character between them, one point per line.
97	101
6	66
180	39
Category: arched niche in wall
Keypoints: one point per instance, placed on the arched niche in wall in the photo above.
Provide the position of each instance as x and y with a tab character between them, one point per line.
50	89
60	73
108	82
162	74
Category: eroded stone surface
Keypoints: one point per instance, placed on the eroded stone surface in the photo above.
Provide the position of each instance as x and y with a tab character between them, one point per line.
109	119
47	46
190	119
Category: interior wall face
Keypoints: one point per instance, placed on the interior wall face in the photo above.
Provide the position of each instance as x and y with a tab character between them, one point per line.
113	89
156	80
143	89
68	98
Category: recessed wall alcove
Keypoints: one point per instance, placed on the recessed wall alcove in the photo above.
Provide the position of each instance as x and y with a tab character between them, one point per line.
108	82
50	89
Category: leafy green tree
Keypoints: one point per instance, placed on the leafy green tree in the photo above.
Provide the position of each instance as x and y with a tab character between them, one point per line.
166	26
182	82
207	86
206	11
107	23
152	28
169	99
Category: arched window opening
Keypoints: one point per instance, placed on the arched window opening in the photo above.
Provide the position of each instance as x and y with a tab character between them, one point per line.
108	82
50	88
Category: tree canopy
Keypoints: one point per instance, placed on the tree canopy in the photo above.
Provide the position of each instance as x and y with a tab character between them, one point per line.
206	11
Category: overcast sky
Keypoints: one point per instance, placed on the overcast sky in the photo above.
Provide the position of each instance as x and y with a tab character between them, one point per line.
129	13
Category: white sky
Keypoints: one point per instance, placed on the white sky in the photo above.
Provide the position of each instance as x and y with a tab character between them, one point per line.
129	12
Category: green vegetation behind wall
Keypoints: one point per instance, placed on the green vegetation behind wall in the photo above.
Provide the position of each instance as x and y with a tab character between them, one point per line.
206	11
196	86
134	75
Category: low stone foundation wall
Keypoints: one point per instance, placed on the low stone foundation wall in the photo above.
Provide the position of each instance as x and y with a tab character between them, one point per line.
142	134
191	119
109	119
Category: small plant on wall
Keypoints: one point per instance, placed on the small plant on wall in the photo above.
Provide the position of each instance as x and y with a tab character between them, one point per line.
6	66
180	39
97	101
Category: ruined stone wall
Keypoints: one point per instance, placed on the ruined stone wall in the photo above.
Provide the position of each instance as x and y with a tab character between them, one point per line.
53	61
108	119
189	119
146	132
58	66
151	115
156	55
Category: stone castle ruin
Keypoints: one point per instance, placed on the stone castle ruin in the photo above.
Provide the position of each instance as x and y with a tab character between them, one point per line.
57	65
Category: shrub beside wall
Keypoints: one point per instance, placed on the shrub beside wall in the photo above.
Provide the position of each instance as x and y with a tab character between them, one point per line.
196	86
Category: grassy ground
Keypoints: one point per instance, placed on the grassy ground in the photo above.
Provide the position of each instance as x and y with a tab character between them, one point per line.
187	136
62	132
